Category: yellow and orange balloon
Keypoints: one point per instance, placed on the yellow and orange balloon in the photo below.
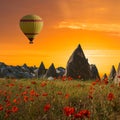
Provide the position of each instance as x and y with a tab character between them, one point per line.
31	25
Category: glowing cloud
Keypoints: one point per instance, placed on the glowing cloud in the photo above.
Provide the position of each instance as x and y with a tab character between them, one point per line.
112	28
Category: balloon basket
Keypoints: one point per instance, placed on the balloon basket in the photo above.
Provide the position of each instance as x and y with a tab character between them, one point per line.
30	42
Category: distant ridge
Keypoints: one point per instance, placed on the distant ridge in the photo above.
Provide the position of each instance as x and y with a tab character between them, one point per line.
77	67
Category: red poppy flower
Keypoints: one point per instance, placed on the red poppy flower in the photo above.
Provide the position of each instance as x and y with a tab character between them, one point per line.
106	82
15	100
59	93
83	113
47	107
70	78
110	96
43	84
25	98
8	103
1	107
93	83
86	113
97	80
33	82
11	85
14	109
68	110
78	115
67	96
45	94
8	112
36	94
25	93
32	93
64	78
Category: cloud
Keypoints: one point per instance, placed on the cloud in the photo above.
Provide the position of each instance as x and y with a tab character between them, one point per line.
110	28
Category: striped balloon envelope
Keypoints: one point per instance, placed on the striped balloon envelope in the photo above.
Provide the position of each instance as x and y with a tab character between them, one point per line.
31	25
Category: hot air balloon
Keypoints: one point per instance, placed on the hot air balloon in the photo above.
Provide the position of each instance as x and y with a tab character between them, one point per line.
31	25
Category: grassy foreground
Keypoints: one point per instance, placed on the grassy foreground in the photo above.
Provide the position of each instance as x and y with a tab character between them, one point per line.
64	99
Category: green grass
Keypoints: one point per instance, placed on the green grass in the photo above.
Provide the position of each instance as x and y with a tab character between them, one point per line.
29	101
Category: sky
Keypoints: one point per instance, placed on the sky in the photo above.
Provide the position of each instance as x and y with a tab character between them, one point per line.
94	24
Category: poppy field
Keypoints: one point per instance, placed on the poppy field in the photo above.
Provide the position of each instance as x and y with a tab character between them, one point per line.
59	99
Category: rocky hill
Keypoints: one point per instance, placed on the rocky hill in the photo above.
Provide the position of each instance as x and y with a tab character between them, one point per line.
77	68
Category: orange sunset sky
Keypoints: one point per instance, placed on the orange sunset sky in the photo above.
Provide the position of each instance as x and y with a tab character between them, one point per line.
95	24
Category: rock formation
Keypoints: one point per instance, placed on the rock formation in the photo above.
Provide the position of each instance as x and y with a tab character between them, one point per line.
117	77
94	72
104	77
15	71
41	70
78	65
112	73
51	72
60	71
